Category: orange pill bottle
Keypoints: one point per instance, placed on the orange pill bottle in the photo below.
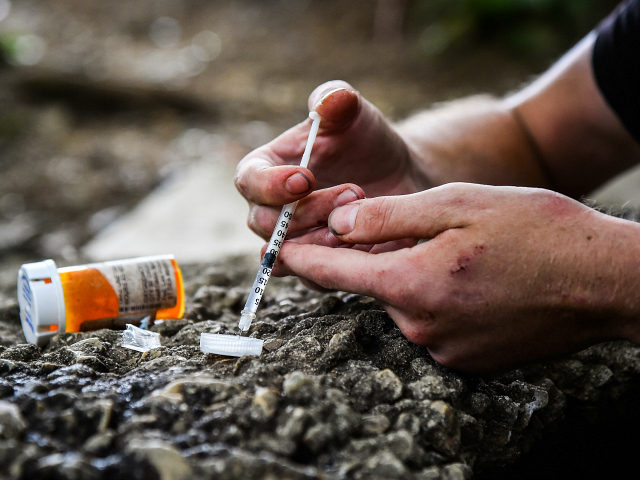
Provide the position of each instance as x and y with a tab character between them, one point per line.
97	295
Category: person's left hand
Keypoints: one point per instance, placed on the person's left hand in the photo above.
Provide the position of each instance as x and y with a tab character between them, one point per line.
508	275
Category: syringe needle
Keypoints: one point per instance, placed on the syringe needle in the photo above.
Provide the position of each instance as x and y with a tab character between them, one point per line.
248	313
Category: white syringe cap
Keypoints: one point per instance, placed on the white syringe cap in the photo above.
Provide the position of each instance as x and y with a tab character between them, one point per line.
41	301
230	345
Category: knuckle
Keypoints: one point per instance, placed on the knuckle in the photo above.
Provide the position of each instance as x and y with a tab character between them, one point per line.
240	185
380	216
553	202
457	194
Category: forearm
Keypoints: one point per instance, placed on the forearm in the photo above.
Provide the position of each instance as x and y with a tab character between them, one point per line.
612	263
579	137
476	139
557	133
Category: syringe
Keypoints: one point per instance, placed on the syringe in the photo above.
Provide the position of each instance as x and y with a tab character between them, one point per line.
248	313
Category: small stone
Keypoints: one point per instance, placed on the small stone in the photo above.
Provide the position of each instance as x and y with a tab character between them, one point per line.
387	386
431	473
99	443
300	387
457	471
432	387
7	366
441	426
295	423
385	465
401	444
72	466
166	460
409	422
264	404
273	344
342	345
374	424
205	388
12	423
316	437
100	411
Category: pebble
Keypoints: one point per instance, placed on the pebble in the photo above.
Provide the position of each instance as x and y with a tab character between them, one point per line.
163	457
12	423
264	404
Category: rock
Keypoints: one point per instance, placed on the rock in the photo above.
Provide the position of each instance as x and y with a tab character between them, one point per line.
342	345
294	423
374	424
100	443
433	387
12	423
387	386
383	465
21	353
300	387
264	404
453	471
68	466
197	388
163	457
440	426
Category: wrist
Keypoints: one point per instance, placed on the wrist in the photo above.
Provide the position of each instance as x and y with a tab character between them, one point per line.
615	257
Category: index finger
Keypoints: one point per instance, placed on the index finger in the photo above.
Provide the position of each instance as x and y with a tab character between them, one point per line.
262	183
346	269
269	176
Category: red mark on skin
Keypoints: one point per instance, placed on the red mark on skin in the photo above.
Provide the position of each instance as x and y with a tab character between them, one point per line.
462	265
464	261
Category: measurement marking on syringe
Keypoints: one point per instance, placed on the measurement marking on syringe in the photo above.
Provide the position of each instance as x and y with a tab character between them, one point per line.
276	240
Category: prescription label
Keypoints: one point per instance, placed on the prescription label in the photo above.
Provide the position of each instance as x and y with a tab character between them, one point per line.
142	284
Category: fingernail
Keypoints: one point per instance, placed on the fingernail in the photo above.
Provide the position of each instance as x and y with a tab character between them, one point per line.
343	219
329	93
297	184
349	195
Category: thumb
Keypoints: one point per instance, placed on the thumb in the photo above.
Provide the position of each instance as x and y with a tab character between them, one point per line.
419	215
336	102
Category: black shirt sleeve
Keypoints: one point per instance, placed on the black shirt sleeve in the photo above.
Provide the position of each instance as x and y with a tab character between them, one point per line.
616	63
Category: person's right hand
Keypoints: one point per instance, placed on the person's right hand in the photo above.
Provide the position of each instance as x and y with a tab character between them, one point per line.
356	154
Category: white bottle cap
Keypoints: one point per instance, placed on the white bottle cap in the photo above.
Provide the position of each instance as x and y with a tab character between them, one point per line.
41	301
230	345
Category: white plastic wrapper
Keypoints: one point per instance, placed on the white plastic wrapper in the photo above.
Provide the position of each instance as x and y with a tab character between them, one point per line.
138	339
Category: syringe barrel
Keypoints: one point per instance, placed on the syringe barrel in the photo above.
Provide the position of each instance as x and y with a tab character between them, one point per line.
276	240
269	258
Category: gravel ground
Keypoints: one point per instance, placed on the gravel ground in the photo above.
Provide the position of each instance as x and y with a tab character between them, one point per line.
337	393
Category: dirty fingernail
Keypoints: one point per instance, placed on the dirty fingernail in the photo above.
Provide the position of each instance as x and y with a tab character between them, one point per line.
297	184
349	195
343	219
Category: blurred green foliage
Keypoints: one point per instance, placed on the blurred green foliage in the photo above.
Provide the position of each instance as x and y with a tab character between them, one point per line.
535	29
8	47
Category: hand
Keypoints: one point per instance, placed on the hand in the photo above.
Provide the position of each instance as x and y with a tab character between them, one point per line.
356	154
508	275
